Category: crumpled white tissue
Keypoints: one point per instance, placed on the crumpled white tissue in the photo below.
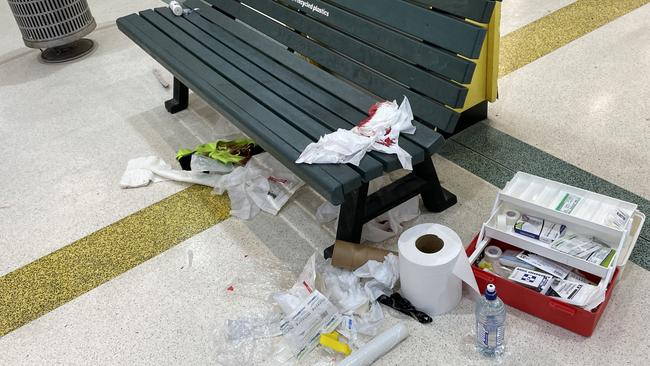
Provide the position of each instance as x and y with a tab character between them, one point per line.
379	132
382	276
141	171
355	293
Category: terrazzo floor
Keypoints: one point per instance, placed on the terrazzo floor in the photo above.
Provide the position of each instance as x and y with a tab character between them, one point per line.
65	163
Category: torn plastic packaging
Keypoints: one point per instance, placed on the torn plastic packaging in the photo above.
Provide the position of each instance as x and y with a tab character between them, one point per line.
264	184
200	163
289	325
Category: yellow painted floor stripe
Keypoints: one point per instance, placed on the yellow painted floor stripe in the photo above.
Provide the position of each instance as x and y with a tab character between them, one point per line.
557	29
75	269
53	280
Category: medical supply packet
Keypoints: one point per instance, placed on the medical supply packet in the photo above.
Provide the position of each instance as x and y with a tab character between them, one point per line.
584	247
574	293
568	202
549	266
302	327
537	281
540	229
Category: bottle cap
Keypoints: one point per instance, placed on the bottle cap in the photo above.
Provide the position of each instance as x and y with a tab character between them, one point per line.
491	292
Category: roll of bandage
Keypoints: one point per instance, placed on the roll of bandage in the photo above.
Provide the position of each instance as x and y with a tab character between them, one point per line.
511	218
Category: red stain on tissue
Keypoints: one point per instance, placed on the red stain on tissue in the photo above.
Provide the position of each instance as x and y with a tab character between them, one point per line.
230	288
386	142
371	113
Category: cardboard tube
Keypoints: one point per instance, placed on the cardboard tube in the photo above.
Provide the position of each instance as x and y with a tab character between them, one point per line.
351	256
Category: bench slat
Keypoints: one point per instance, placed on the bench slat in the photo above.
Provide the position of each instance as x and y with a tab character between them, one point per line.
441	61
260	46
368	168
440	29
442	90
290	86
430	111
478	10
212	37
331	181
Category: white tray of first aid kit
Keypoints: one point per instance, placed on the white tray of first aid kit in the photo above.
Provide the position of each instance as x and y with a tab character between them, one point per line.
613	222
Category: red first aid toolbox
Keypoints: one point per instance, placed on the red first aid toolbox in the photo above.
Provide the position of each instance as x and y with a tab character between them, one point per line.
614	222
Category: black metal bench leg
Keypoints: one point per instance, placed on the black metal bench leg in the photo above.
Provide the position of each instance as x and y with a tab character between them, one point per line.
351	218
352	215
435	198
180	99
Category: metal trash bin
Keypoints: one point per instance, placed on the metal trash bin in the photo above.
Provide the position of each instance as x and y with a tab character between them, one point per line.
56	26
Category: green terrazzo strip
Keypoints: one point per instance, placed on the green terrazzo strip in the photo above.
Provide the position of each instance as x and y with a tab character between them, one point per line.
557	29
53	280
495	156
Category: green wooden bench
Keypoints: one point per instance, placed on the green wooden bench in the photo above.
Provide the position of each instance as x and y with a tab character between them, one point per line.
286	72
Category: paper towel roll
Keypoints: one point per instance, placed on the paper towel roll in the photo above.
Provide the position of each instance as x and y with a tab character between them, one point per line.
432	267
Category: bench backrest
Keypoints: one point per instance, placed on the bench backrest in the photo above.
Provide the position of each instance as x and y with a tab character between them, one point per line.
417	48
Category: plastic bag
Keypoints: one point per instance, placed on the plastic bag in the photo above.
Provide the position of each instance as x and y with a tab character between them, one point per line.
253	327
252	335
289	300
262	185
389	224
355	294
200	163
380	228
379	132
251	341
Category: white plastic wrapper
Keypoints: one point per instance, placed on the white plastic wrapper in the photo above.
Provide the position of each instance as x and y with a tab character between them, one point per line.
262	185
355	293
289	300
142	171
200	163
380	132
382	227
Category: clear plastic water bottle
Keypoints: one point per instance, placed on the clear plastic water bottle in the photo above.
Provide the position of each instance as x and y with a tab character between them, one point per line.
490	323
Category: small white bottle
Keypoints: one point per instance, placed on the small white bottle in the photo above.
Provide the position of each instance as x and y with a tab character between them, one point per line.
490	323
176	8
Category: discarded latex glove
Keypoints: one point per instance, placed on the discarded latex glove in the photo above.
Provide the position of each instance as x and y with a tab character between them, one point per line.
379	132
141	171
